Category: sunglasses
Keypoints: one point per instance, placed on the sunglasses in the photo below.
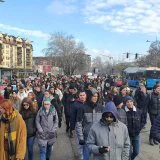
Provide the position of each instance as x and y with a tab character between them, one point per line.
25	104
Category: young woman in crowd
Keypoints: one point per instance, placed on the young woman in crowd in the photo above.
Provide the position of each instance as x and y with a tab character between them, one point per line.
47	123
28	113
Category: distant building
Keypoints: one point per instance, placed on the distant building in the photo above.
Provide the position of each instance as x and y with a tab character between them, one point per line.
50	65
15	56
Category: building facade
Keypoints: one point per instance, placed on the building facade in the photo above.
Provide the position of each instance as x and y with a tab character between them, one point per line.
15	55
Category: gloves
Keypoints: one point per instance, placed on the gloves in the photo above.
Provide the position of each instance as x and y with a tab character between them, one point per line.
59	124
103	149
81	142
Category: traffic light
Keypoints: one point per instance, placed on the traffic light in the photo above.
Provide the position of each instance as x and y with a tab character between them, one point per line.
136	55
127	55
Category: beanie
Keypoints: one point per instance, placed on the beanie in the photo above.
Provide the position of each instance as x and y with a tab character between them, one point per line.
47	100
117	100
128	98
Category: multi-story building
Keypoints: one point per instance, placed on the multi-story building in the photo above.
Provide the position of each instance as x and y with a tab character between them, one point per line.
15	56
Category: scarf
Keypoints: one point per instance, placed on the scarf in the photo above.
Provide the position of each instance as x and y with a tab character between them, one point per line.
10	133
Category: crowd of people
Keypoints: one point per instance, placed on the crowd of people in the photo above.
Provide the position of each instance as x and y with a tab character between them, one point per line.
105	120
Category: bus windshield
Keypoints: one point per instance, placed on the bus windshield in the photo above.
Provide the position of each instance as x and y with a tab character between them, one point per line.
153	74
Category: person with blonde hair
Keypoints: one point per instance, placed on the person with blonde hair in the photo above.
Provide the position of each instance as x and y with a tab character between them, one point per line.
12	132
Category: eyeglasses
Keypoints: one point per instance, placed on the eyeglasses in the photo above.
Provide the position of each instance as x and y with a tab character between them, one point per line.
25	104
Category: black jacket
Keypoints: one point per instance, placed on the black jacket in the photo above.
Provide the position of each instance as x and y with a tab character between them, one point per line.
135	121
142	100
30	123
155	129
154	104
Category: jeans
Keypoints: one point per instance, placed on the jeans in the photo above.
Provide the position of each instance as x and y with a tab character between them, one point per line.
45	152
86	153
135	146
30	143
152	118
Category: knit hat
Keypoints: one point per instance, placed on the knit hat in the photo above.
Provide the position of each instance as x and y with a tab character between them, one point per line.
128	98
47	100
117	100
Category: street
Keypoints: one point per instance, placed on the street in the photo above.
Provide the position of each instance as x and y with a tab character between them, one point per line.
65	148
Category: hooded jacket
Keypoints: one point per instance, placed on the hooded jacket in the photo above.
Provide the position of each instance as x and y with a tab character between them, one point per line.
86	116
46	125
114	135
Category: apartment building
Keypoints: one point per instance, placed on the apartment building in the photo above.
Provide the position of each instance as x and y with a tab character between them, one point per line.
15	56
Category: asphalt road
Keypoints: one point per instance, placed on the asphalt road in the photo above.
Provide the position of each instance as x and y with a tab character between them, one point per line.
65	148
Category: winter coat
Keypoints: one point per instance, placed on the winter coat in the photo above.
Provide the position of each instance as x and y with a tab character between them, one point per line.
18	137
154	104
135	121
30	121
122	116
77	105
86	117
142	100
46	126
39	98
7	93
68	100
155	129
114	135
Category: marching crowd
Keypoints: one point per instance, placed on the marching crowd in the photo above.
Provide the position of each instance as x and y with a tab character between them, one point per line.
105	120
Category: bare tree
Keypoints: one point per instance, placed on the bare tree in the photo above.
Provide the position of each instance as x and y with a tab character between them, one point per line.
70	54
153	58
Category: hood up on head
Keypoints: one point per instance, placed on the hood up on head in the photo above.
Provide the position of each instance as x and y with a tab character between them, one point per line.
110	107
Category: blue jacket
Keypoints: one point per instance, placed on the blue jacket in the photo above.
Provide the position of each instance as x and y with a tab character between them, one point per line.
77	105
